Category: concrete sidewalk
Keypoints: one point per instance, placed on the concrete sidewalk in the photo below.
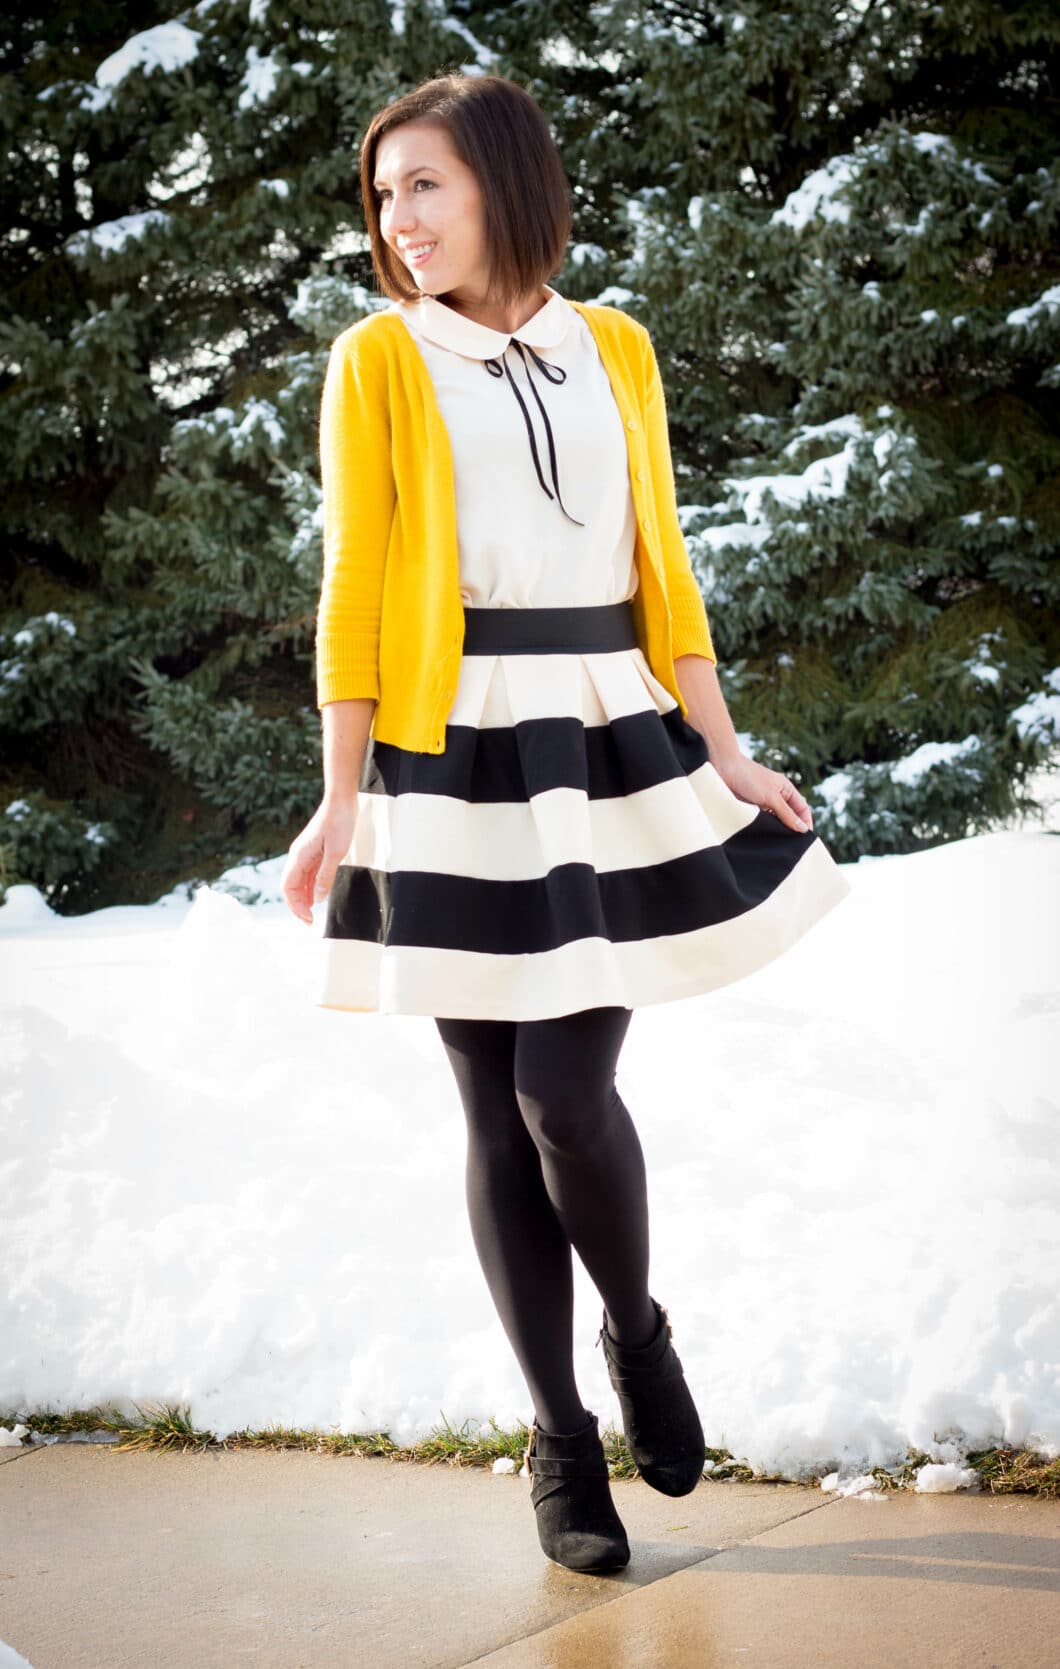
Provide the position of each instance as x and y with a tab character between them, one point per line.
288	1560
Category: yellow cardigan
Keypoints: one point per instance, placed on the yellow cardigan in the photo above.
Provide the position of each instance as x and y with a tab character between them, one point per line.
390	622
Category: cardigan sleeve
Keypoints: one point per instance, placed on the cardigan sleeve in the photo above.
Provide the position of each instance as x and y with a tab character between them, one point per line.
690	630
359	497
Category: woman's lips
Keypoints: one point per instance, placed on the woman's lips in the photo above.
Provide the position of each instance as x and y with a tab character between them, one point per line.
415	260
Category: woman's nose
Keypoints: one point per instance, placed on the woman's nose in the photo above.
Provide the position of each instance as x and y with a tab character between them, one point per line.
402	215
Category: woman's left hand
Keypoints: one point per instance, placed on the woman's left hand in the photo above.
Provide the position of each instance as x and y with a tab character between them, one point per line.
771	790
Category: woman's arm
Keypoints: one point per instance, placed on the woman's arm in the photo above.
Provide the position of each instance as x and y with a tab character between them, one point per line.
688	616
359	496
697	679
346	725
695	661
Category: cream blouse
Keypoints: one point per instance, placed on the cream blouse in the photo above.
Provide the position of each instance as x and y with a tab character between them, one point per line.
545	513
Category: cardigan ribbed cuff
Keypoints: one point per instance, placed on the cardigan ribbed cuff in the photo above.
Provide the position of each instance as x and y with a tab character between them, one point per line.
690	634
347	669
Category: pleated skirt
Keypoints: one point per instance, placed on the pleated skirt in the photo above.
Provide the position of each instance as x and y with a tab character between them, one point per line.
573	847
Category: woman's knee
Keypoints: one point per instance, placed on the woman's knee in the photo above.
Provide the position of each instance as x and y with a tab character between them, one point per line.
564	1114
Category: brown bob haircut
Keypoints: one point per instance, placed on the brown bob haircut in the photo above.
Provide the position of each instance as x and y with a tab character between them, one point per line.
502	135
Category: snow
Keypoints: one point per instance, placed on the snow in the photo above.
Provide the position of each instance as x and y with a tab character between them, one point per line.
734	533
484	59
1041	714
214	1192
943	1479
1045	307
579	253
924	758
28	633
865	1486
10	1659
824	478
816	197
982	667
835	791
256	423
166	47
614	296
112	235
848	424
259	79
262	72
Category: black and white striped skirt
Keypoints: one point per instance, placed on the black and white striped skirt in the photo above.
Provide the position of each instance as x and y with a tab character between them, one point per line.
572	848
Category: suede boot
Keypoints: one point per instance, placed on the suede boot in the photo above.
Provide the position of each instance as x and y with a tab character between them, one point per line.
659	1418
577	1524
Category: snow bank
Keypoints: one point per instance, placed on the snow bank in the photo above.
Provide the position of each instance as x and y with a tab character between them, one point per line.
213	1191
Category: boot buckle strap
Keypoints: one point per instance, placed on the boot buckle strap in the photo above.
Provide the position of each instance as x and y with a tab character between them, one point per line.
576	1466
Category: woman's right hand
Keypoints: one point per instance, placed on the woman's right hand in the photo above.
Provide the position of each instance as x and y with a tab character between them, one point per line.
315	855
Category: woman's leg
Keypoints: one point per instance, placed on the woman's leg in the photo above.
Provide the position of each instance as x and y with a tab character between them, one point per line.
523	1249
591	1157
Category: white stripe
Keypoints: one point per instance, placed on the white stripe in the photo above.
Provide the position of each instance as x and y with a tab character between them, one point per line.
408	979
501	841
495	690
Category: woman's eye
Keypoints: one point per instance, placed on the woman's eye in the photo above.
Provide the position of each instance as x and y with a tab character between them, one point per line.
385	192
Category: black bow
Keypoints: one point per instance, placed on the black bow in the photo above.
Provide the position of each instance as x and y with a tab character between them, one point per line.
553	374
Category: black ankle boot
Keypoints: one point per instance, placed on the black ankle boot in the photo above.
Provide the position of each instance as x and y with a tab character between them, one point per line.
659	1418
577	1524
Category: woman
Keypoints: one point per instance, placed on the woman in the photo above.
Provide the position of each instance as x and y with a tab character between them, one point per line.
536	813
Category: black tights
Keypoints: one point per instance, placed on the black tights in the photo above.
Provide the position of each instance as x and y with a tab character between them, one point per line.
553	1161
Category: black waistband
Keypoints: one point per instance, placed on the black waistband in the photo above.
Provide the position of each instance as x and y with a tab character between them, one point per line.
526	631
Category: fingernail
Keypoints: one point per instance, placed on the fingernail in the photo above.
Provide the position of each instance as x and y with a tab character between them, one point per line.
803	826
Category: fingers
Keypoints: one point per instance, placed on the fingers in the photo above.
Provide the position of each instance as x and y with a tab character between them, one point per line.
792	809
297	883
325	879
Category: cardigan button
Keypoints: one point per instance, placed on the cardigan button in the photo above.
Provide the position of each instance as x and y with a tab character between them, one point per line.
631	422
646	524
640	475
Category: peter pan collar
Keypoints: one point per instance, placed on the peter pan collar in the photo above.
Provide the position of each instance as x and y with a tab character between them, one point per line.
447	328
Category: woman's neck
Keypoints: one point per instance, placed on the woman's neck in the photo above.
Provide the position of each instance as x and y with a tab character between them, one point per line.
496	317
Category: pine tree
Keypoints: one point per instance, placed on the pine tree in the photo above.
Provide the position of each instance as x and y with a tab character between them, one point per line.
847	252
183	242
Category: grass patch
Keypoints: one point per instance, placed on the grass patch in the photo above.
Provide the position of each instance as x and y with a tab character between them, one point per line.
169	1427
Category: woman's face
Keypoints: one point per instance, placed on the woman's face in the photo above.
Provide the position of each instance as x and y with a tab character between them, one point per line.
427	196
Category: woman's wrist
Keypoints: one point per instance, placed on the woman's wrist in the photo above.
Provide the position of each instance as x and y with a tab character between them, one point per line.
697	680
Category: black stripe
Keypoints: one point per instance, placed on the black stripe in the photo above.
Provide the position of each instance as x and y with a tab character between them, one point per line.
505	763
512	918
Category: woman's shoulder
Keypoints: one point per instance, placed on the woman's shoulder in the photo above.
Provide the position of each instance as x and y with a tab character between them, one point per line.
379	334
618	333
612	320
